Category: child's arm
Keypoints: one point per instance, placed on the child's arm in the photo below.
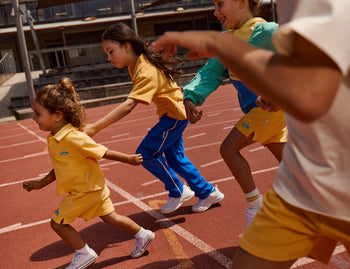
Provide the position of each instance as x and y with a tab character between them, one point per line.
133	159
116	114
39	184
270	75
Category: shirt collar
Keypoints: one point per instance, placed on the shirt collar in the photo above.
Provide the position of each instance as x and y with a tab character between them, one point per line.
62	132
247	28
139	63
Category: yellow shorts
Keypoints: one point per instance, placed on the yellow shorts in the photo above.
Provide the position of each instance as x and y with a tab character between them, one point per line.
85	205
268	127
282	232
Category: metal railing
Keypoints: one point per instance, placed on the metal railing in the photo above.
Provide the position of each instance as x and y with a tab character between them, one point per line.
5	70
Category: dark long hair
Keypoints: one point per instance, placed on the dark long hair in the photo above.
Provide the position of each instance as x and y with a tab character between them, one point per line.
121	33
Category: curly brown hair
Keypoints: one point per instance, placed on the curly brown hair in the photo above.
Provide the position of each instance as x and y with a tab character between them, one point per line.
63	97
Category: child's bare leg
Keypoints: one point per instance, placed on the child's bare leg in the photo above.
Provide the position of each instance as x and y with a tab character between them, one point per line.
142	237
122	222
230	152
276	149
68	234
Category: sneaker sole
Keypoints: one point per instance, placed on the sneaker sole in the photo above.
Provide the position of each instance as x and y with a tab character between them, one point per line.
144	248
87	263
183	199
202	209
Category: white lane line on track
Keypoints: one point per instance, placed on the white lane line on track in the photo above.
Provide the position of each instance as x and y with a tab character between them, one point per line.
228	127
180	231
339	261
103	143
214	114
204	247
195	241
119	135
150	182
10	228
19	144
204	145
192	239
11	136
27	142
120	140
18	182
31	132
211	124
211	163
195	136
24	157
256	149
304	261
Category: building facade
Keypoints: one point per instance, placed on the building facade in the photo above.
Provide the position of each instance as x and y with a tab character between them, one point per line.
69	35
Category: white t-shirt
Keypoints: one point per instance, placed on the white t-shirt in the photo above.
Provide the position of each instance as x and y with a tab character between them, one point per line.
315	171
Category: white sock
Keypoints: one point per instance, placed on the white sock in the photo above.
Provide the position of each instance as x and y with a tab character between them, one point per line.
254	198
139	233
84	249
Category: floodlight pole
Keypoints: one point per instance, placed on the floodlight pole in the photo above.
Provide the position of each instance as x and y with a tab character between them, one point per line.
133	16
273	10
24	51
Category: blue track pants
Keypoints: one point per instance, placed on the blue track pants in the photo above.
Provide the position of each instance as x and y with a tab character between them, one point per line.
163	154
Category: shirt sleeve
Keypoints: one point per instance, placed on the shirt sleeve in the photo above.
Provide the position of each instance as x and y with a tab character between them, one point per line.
87	146
262	35
207	80
324	24
145	86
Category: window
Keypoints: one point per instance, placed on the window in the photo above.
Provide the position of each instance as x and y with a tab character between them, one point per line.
89	8
104	7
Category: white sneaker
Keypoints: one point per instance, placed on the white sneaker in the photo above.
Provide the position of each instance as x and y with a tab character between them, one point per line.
249	215
83	260
203	204
141	243
174	203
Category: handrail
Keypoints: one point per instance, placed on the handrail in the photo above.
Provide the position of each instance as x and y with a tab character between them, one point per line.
3	58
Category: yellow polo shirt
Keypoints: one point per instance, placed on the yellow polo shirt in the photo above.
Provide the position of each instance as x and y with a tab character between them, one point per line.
74	156
151	85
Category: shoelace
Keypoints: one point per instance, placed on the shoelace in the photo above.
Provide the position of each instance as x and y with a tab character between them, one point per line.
76	258
138	244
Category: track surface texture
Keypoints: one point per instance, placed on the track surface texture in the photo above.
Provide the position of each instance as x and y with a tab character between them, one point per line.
183	239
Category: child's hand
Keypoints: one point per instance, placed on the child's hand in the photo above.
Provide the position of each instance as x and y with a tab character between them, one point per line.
266	105
90	130
135	159
191	111
31	185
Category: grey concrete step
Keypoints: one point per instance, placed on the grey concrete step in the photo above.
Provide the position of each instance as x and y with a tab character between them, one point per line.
95	96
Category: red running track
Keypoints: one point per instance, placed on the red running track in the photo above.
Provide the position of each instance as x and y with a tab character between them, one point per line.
183	239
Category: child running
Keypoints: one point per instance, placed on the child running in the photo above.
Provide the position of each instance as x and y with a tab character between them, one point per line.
257	125
153	81
306	212
77	173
